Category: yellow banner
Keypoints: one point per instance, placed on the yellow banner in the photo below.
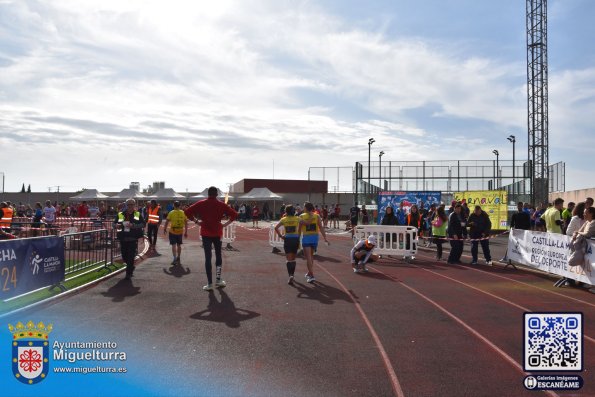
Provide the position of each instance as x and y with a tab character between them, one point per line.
494	202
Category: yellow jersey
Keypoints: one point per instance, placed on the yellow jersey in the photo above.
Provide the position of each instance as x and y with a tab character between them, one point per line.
177	219
312	228
291	225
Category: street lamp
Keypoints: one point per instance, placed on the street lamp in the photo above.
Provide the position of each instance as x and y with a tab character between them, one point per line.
512	139
370	142
380	172
497	169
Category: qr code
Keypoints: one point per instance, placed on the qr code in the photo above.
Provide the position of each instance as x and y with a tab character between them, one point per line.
553	341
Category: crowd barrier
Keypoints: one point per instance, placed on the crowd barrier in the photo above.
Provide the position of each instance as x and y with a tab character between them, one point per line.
392	240
274	240
229	234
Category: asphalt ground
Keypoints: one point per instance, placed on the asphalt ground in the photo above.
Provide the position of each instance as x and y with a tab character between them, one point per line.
423	328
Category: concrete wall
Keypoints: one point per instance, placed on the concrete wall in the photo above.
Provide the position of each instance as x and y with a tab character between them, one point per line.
573	195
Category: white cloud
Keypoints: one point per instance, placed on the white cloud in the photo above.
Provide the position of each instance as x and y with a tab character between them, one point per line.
188	92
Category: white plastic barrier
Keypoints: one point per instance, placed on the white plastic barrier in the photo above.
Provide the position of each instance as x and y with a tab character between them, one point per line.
392	240
229	234
274	240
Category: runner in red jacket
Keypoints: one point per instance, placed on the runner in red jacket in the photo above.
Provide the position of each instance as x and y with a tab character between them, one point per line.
211	211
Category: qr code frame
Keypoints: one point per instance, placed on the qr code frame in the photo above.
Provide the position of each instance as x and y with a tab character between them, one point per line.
581	341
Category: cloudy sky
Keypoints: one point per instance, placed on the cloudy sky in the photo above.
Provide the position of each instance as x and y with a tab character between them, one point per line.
97	94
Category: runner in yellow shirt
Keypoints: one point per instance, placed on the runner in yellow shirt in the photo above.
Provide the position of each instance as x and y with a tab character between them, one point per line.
179	226
291	238
312	225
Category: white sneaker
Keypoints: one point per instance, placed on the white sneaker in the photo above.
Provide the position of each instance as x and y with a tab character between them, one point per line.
489	263
355	270
310	279
290	281
220	284
208	287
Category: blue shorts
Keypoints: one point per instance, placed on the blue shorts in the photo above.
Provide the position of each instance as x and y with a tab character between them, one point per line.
310	240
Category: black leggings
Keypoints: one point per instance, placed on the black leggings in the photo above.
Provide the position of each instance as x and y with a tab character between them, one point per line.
438	241
152	230
208	243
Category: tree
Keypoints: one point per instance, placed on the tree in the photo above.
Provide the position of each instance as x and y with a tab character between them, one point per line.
23	188
29	188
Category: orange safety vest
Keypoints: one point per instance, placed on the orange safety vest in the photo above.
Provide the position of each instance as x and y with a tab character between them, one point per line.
153	214
418	220
6	217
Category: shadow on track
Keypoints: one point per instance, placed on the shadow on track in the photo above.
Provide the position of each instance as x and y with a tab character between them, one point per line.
177	271
321	292
224	311
121	290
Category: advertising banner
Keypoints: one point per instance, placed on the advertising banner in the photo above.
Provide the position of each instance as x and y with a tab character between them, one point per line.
493	202
29	264
549	252
394	199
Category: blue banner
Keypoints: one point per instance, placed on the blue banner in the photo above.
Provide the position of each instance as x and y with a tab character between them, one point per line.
29	264
394	200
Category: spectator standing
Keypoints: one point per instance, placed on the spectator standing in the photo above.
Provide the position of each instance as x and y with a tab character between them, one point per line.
337	218
588	202
49	214
130	225
552	217
439	223
154	219
255	215
577	220
6	215
211	211
365	217
325	216
353	217
93	211
538	222
566	216
455	232
520	219
479	229
83	210
401	215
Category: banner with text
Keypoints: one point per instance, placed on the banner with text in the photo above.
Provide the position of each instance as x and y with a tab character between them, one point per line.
394	199
549	252
493	202
29	264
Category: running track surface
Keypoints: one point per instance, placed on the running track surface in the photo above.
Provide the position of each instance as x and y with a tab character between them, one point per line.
414	329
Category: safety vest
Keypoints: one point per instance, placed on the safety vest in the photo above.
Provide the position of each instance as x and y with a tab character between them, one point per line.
418	220
6	217
121	216
153	215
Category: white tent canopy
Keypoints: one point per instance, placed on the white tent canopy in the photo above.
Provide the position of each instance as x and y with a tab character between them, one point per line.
125	194
89	194
166	194
260	194
205	194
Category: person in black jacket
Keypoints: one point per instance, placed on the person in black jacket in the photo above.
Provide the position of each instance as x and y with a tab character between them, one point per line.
520	219
455	233
390	219
130	226
479	228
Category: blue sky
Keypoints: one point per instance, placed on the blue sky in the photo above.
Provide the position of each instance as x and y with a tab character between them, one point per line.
97	94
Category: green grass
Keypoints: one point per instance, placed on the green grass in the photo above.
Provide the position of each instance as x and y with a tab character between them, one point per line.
78	278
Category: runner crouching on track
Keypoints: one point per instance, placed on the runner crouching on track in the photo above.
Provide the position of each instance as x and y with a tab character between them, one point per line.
291	239
311	226
362	253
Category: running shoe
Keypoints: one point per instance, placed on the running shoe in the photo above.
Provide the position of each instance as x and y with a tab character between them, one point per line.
310	279
290	281
355	270
474	263
365	269
220	284
208	287
489	263
174	262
